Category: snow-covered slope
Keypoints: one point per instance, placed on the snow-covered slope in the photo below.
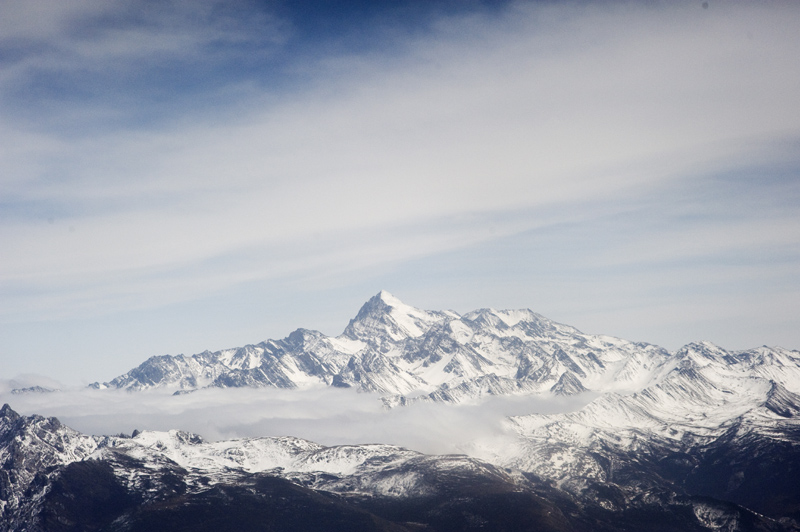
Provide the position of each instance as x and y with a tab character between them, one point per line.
702	398
257	454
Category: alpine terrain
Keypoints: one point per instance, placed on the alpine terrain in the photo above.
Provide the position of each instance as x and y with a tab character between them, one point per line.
698	439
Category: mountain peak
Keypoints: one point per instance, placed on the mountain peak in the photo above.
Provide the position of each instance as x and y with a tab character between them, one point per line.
384	302
388	298
8	413
385	314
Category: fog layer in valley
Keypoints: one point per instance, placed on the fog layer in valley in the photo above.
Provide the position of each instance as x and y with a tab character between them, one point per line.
330	416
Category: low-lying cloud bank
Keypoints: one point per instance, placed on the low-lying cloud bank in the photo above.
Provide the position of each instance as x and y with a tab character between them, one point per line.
329	416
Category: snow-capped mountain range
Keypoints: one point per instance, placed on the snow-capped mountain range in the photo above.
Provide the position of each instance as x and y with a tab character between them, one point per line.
54	479
395	349
698	439
42	461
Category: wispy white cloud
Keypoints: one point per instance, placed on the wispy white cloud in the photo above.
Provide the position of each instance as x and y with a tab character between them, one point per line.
92	34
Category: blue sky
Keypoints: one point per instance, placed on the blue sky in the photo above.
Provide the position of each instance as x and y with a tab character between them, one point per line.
179	176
